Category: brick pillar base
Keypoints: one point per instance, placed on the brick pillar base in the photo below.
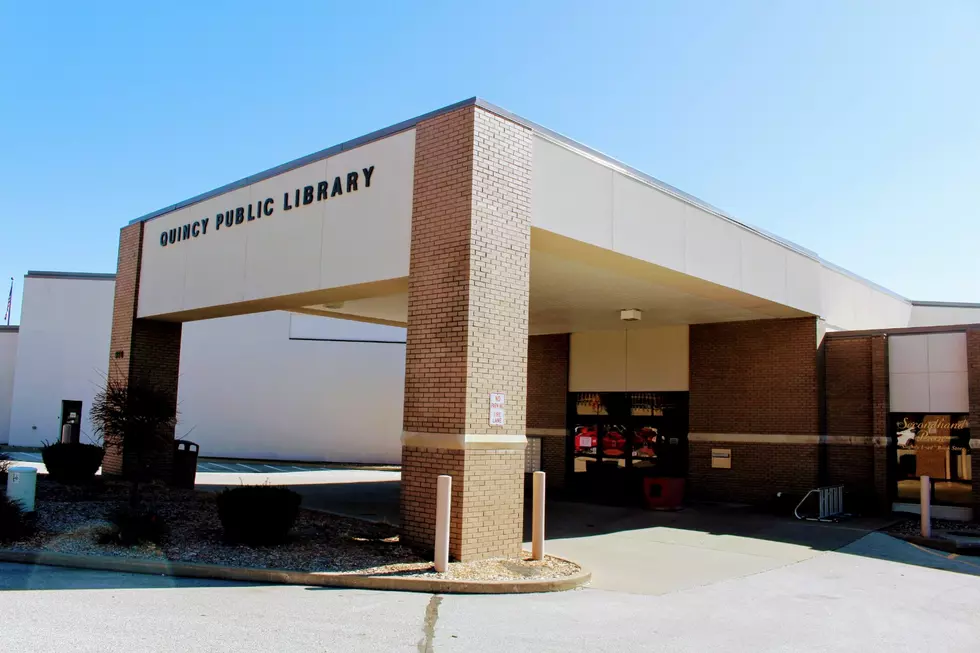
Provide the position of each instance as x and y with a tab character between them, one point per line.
486	518
144	353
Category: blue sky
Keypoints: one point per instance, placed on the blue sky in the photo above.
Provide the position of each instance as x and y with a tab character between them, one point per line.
850	127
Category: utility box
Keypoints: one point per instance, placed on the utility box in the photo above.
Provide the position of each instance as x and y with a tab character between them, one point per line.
22	486
185	464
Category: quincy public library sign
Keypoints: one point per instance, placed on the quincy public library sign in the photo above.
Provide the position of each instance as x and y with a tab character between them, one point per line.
265	208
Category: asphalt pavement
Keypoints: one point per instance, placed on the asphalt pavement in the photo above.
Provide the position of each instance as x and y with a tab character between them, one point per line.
833	601
697	580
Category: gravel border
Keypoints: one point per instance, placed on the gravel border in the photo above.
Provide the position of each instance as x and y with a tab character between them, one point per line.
70	521
278	576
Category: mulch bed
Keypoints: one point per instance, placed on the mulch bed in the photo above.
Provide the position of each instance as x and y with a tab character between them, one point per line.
71	519
912	526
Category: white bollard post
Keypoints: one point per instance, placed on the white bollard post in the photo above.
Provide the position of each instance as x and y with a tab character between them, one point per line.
537	517
66	434
444	488
925	511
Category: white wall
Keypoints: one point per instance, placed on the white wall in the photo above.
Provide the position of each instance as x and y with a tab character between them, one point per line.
940	315
579	197
62	353
928	373
655	360
8	362
353	238
265	385
848	303
247	390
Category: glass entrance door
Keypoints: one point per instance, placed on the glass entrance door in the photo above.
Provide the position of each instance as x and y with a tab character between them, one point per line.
618	438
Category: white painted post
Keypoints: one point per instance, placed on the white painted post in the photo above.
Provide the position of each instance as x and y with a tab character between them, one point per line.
444	488
925	511
537	517
66	434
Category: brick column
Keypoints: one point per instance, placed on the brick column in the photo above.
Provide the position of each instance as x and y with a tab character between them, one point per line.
145	352
856	392
467	331
973	379
883	451
547	401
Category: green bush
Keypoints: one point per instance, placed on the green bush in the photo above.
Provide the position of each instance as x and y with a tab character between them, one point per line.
134	526
13	522
257	514
72	463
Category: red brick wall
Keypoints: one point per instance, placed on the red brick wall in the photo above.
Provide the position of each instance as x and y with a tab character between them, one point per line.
853	466
547	381
973	371
547	396
856	391
848	386
757	378
758	471
879	406
754	377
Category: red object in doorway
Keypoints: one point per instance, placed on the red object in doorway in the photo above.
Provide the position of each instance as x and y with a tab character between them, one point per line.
662	493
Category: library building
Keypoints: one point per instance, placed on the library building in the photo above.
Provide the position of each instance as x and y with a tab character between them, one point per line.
559	310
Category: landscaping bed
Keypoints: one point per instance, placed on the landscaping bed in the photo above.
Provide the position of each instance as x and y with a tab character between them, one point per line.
913	526
73	519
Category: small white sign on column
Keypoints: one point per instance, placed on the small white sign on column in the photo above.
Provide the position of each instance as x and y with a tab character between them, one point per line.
497	408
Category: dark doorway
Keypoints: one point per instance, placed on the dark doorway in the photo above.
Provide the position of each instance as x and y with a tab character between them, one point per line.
71	413
617	439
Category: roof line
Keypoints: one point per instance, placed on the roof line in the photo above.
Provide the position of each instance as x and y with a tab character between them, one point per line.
571	143
9	328
46	274
946	304
309	158
902	331
662	186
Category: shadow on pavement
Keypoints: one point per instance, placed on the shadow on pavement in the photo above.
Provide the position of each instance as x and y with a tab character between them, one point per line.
39	577
884	547
568	519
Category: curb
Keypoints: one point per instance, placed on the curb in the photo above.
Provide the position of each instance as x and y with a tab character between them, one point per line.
946	546
284	577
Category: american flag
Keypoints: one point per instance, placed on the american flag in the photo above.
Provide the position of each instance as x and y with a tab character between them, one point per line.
10	300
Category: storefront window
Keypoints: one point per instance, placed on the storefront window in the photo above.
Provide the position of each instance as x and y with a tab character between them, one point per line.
614	444
585	442
937	446
617	438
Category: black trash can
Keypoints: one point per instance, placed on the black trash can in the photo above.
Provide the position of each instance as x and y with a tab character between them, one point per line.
185	464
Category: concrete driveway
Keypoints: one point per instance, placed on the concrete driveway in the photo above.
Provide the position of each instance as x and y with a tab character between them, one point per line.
642	552
629	550
834	601
696	580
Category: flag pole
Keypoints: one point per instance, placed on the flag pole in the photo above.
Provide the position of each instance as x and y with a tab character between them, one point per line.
10	300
